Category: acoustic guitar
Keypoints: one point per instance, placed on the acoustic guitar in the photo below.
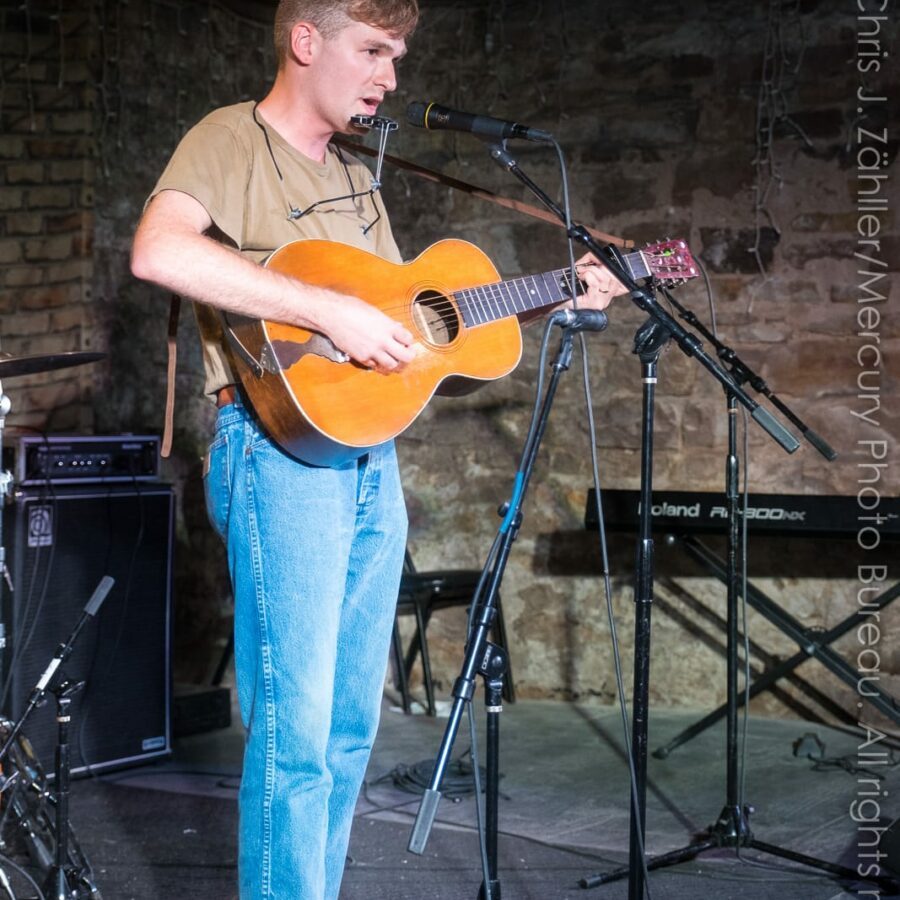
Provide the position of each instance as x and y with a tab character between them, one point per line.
325	409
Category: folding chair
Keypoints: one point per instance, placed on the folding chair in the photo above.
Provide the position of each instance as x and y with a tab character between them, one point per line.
421	593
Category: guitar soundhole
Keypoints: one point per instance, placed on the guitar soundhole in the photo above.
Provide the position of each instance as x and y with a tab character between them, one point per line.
436	318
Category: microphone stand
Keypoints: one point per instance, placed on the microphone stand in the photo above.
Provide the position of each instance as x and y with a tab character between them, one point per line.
63	879
643	297
63	652
651	337
481	656
732	827
60	876
742	374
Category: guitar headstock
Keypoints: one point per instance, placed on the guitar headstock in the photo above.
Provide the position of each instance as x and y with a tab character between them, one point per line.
670	261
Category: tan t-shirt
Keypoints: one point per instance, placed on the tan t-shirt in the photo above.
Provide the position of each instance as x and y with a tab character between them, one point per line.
225	164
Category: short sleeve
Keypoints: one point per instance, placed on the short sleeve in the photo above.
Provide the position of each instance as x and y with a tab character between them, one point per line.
211	166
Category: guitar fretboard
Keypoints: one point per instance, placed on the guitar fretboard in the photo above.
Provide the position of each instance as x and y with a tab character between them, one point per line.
489	302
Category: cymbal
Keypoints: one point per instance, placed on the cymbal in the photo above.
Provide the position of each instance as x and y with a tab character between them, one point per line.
27	365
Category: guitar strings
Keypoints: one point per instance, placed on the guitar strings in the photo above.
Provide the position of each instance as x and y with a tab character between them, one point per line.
496	299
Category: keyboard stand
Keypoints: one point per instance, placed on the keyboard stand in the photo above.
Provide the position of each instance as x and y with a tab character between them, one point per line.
813	645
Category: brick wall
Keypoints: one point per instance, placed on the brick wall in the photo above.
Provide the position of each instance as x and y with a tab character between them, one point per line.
658	116
46	182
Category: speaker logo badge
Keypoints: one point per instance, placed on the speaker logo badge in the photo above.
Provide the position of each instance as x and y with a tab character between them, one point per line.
40	526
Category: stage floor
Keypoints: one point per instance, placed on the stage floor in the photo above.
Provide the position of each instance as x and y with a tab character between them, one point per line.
168	830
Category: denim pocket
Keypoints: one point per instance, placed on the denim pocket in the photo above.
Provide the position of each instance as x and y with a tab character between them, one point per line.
217	483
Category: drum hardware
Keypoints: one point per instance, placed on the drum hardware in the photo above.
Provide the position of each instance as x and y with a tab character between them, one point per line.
31	812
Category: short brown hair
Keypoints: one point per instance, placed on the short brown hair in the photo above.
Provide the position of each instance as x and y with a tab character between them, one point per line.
397	17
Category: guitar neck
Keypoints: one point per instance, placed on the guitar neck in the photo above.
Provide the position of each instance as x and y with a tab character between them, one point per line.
490	302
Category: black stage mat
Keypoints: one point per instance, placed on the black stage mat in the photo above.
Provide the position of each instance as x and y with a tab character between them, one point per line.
149	845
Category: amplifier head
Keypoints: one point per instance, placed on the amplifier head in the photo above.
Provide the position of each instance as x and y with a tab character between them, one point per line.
81	459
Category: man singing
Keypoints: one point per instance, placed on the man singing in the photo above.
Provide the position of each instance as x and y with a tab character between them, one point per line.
315	553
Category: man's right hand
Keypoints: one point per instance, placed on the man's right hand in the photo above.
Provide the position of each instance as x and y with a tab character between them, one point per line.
367	335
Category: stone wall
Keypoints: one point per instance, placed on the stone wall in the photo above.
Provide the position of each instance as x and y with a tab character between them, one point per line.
174	62
731	127
46	186
662	126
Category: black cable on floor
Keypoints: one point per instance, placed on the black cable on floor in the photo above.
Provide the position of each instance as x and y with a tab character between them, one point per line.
458	781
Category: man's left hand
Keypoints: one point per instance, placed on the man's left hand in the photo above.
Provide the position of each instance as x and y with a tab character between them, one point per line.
600	284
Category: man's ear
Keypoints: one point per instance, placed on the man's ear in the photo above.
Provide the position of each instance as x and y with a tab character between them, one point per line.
304	36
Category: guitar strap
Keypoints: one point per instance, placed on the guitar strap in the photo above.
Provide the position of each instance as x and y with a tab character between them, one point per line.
172	344
420	171
482	194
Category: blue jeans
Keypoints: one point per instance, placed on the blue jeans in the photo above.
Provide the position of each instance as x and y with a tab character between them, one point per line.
315	556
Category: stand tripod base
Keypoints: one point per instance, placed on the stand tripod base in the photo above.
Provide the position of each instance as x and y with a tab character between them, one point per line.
732	829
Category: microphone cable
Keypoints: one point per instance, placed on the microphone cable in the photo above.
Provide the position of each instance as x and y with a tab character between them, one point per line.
601	526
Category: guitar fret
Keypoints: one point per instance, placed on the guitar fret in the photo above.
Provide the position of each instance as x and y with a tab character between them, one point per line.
637	271
525	302
477	306
484	299
548	294
470	309
502	306
490	307
532	291
499	298
462	305
495	302
512	300
487	303
565	285
490	301
520	300
555	286
541	285
506	299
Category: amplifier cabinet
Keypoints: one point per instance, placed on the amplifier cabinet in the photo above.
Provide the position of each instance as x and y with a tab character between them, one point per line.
59	543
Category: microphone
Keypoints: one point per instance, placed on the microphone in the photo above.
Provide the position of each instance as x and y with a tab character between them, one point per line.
437	118
580	319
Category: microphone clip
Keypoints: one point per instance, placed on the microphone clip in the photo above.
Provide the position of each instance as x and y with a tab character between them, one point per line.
580	319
